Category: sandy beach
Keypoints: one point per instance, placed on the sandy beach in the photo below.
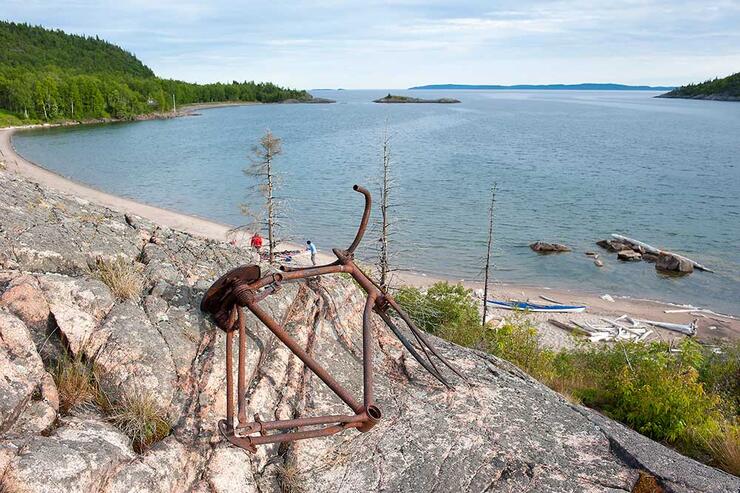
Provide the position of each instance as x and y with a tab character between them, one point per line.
711	327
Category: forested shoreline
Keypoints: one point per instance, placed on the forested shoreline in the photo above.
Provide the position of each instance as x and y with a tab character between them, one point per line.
50	76
724	89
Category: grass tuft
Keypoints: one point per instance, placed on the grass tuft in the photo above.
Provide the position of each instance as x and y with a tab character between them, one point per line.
77	383
122	277
139	417
724	448
142	419
290	479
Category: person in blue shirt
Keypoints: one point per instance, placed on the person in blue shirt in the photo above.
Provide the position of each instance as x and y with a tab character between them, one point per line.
311	248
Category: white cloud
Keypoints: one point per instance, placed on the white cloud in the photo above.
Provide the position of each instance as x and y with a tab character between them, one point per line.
400	43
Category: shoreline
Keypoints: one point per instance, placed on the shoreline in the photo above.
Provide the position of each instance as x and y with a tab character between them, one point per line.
702	97
717	327
185	110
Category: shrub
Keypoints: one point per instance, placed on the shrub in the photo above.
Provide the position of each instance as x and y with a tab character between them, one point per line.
142	419
122	277
518	341
689	399
660	396
720	373
472	335
9	119
442	305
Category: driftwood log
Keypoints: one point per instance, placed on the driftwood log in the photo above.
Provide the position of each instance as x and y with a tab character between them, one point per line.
569	328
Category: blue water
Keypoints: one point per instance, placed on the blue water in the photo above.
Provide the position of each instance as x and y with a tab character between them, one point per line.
571	167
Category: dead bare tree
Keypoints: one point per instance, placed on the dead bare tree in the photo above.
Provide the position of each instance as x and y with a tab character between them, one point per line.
387	252
488	253
383	261
261	168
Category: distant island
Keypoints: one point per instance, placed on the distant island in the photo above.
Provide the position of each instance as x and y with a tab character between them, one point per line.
390	98
550	87
310	100
50	76
726	89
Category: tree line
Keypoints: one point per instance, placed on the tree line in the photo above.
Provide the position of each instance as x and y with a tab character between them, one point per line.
54	95
729	86
49	76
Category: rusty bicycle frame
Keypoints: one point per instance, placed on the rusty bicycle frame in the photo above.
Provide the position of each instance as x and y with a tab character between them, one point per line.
245	287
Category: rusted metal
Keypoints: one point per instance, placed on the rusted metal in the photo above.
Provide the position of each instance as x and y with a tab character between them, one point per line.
246	287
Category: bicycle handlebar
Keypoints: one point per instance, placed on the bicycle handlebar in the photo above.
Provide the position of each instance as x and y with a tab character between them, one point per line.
365	217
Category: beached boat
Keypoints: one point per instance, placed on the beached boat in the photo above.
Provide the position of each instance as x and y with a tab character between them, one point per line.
534	307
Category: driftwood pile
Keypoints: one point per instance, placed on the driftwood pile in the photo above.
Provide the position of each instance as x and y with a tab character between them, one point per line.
623	328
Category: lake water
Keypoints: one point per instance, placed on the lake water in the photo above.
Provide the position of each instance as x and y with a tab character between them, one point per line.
571	167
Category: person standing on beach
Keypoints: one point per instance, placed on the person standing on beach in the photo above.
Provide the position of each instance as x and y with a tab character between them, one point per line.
256	242
311	248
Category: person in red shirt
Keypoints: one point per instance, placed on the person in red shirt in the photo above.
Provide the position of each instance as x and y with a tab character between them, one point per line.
256	242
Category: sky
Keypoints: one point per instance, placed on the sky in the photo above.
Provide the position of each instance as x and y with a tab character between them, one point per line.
397	44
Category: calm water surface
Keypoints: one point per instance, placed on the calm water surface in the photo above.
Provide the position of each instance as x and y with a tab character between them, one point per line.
571	167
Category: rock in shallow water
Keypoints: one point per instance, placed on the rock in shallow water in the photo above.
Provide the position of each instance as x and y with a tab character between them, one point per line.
629	256
543	247
614	245
672	263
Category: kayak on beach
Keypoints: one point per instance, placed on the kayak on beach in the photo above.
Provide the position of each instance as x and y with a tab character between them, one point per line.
534	307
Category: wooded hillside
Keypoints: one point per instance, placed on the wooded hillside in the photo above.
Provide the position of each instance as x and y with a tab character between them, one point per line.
727	88
48	75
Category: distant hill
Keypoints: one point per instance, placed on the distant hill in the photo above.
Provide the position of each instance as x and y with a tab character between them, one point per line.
48	75
726	89
35	48
551	87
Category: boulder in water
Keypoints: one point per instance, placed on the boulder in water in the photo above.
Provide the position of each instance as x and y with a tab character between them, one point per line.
649	257
543	247
629	255
673	263
614	245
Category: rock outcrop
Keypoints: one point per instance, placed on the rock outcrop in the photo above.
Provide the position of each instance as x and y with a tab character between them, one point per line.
501	432
544	247
23	381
